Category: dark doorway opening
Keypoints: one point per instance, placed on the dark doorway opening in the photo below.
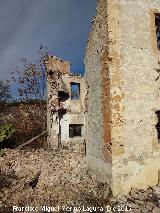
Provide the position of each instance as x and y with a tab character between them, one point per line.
75	130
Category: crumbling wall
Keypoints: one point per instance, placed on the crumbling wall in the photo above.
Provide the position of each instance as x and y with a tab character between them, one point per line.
98	118
121	62
55	89
62	110
75	108
139	165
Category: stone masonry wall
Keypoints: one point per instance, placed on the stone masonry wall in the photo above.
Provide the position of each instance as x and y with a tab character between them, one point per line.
75	108
121	60
98	107
139	165
63	111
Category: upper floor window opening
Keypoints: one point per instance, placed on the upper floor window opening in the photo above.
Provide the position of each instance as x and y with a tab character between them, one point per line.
75	91
157	23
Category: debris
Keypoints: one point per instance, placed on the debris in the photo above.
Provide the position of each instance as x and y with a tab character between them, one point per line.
34	181
61	178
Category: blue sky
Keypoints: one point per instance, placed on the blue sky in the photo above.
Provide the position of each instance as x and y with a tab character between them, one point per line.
60	25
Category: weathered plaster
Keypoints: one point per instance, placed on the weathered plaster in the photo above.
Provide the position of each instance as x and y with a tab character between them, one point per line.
121	62
73	111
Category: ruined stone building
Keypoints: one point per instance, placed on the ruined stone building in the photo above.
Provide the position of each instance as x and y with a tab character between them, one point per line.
123	76
66	107
118	102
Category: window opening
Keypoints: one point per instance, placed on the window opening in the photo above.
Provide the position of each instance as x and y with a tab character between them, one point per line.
75	91
75	130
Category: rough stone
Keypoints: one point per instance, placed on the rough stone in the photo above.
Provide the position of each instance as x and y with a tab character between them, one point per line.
62	110
63	181
123	96
156	210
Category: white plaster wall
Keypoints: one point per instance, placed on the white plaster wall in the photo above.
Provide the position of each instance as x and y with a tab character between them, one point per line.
75	108
71	119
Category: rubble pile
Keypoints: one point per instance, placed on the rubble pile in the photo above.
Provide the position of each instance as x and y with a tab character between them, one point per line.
145	201
63	179
51	178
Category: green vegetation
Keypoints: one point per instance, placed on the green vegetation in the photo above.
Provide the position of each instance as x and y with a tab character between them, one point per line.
6	132
2	153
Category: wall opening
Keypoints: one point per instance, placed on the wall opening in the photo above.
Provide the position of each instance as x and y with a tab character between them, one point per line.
75	130
157	22
63	96
75	91
158	125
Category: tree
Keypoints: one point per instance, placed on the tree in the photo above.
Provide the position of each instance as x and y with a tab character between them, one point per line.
31	78
43	53
4	91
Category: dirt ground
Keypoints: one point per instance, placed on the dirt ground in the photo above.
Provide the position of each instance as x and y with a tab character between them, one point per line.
57	181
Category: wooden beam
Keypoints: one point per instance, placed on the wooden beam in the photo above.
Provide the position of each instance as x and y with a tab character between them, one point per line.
31	140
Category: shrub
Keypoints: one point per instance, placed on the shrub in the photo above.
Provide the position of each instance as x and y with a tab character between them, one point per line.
29	120
6	132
